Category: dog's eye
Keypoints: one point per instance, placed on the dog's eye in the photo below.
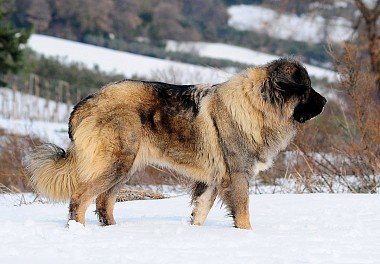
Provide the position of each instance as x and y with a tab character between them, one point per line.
305	95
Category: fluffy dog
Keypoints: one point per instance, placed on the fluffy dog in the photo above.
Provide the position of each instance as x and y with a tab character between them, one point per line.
219	135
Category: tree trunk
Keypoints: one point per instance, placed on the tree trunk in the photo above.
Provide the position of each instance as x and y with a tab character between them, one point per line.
370	17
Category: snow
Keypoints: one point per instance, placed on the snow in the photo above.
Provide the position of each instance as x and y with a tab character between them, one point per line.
306	28
18	105
239	54
315	228
125	63
370	3
49	132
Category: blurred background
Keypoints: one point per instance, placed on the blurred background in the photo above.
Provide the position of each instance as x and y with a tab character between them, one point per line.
54	52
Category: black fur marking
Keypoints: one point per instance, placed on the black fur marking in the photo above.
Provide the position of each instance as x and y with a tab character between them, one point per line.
73	207
102	216
147	118
178	96
59	152
166	122
198	189
76	107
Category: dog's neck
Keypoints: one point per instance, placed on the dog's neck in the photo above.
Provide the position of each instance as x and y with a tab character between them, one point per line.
263	123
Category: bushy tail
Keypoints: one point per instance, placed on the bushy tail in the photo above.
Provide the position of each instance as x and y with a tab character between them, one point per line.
53	172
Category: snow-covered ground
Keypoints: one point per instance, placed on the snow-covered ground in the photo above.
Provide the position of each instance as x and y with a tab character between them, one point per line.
239	54
302	28
49	132
125	63
317	228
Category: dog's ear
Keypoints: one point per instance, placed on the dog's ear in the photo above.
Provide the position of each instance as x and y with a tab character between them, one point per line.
288	78
279	86
285	79
270	92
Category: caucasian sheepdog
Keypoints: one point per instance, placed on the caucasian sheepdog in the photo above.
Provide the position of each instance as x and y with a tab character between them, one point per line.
219	135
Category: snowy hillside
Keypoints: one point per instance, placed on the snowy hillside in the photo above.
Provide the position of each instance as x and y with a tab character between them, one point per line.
132	64
304	28
125	63
239	54
317	228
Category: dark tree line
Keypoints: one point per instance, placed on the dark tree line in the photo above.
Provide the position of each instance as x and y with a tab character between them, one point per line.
126	19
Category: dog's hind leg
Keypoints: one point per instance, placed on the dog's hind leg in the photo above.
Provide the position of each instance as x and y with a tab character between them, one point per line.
106	144
105	201
236	198
203	198
83	196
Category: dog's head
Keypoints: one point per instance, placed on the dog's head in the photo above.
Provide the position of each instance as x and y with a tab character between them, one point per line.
288	85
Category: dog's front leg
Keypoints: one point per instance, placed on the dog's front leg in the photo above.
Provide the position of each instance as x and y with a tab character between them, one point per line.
203	198
236	197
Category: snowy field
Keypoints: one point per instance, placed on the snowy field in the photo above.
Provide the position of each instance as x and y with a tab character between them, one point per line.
301	28
317	228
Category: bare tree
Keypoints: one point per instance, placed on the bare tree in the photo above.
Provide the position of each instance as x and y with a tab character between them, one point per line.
370	17
39	14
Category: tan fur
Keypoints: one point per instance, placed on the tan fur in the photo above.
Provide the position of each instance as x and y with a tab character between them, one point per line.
202	206
106	202
233	133
56	179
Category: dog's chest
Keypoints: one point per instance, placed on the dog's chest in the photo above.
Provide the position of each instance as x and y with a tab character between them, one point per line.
270	151
262	166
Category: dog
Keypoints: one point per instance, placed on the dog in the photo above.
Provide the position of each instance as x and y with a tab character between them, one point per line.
218	135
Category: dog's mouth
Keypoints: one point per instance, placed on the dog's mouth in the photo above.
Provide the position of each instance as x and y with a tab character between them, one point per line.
312	108
304	118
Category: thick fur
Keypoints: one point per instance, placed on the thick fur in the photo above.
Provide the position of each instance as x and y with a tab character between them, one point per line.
219	135
53	171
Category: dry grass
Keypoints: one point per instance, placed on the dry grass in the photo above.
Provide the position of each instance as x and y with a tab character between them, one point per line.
12	150
130	193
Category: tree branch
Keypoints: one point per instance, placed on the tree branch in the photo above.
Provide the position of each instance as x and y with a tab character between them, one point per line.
363	9
376	10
